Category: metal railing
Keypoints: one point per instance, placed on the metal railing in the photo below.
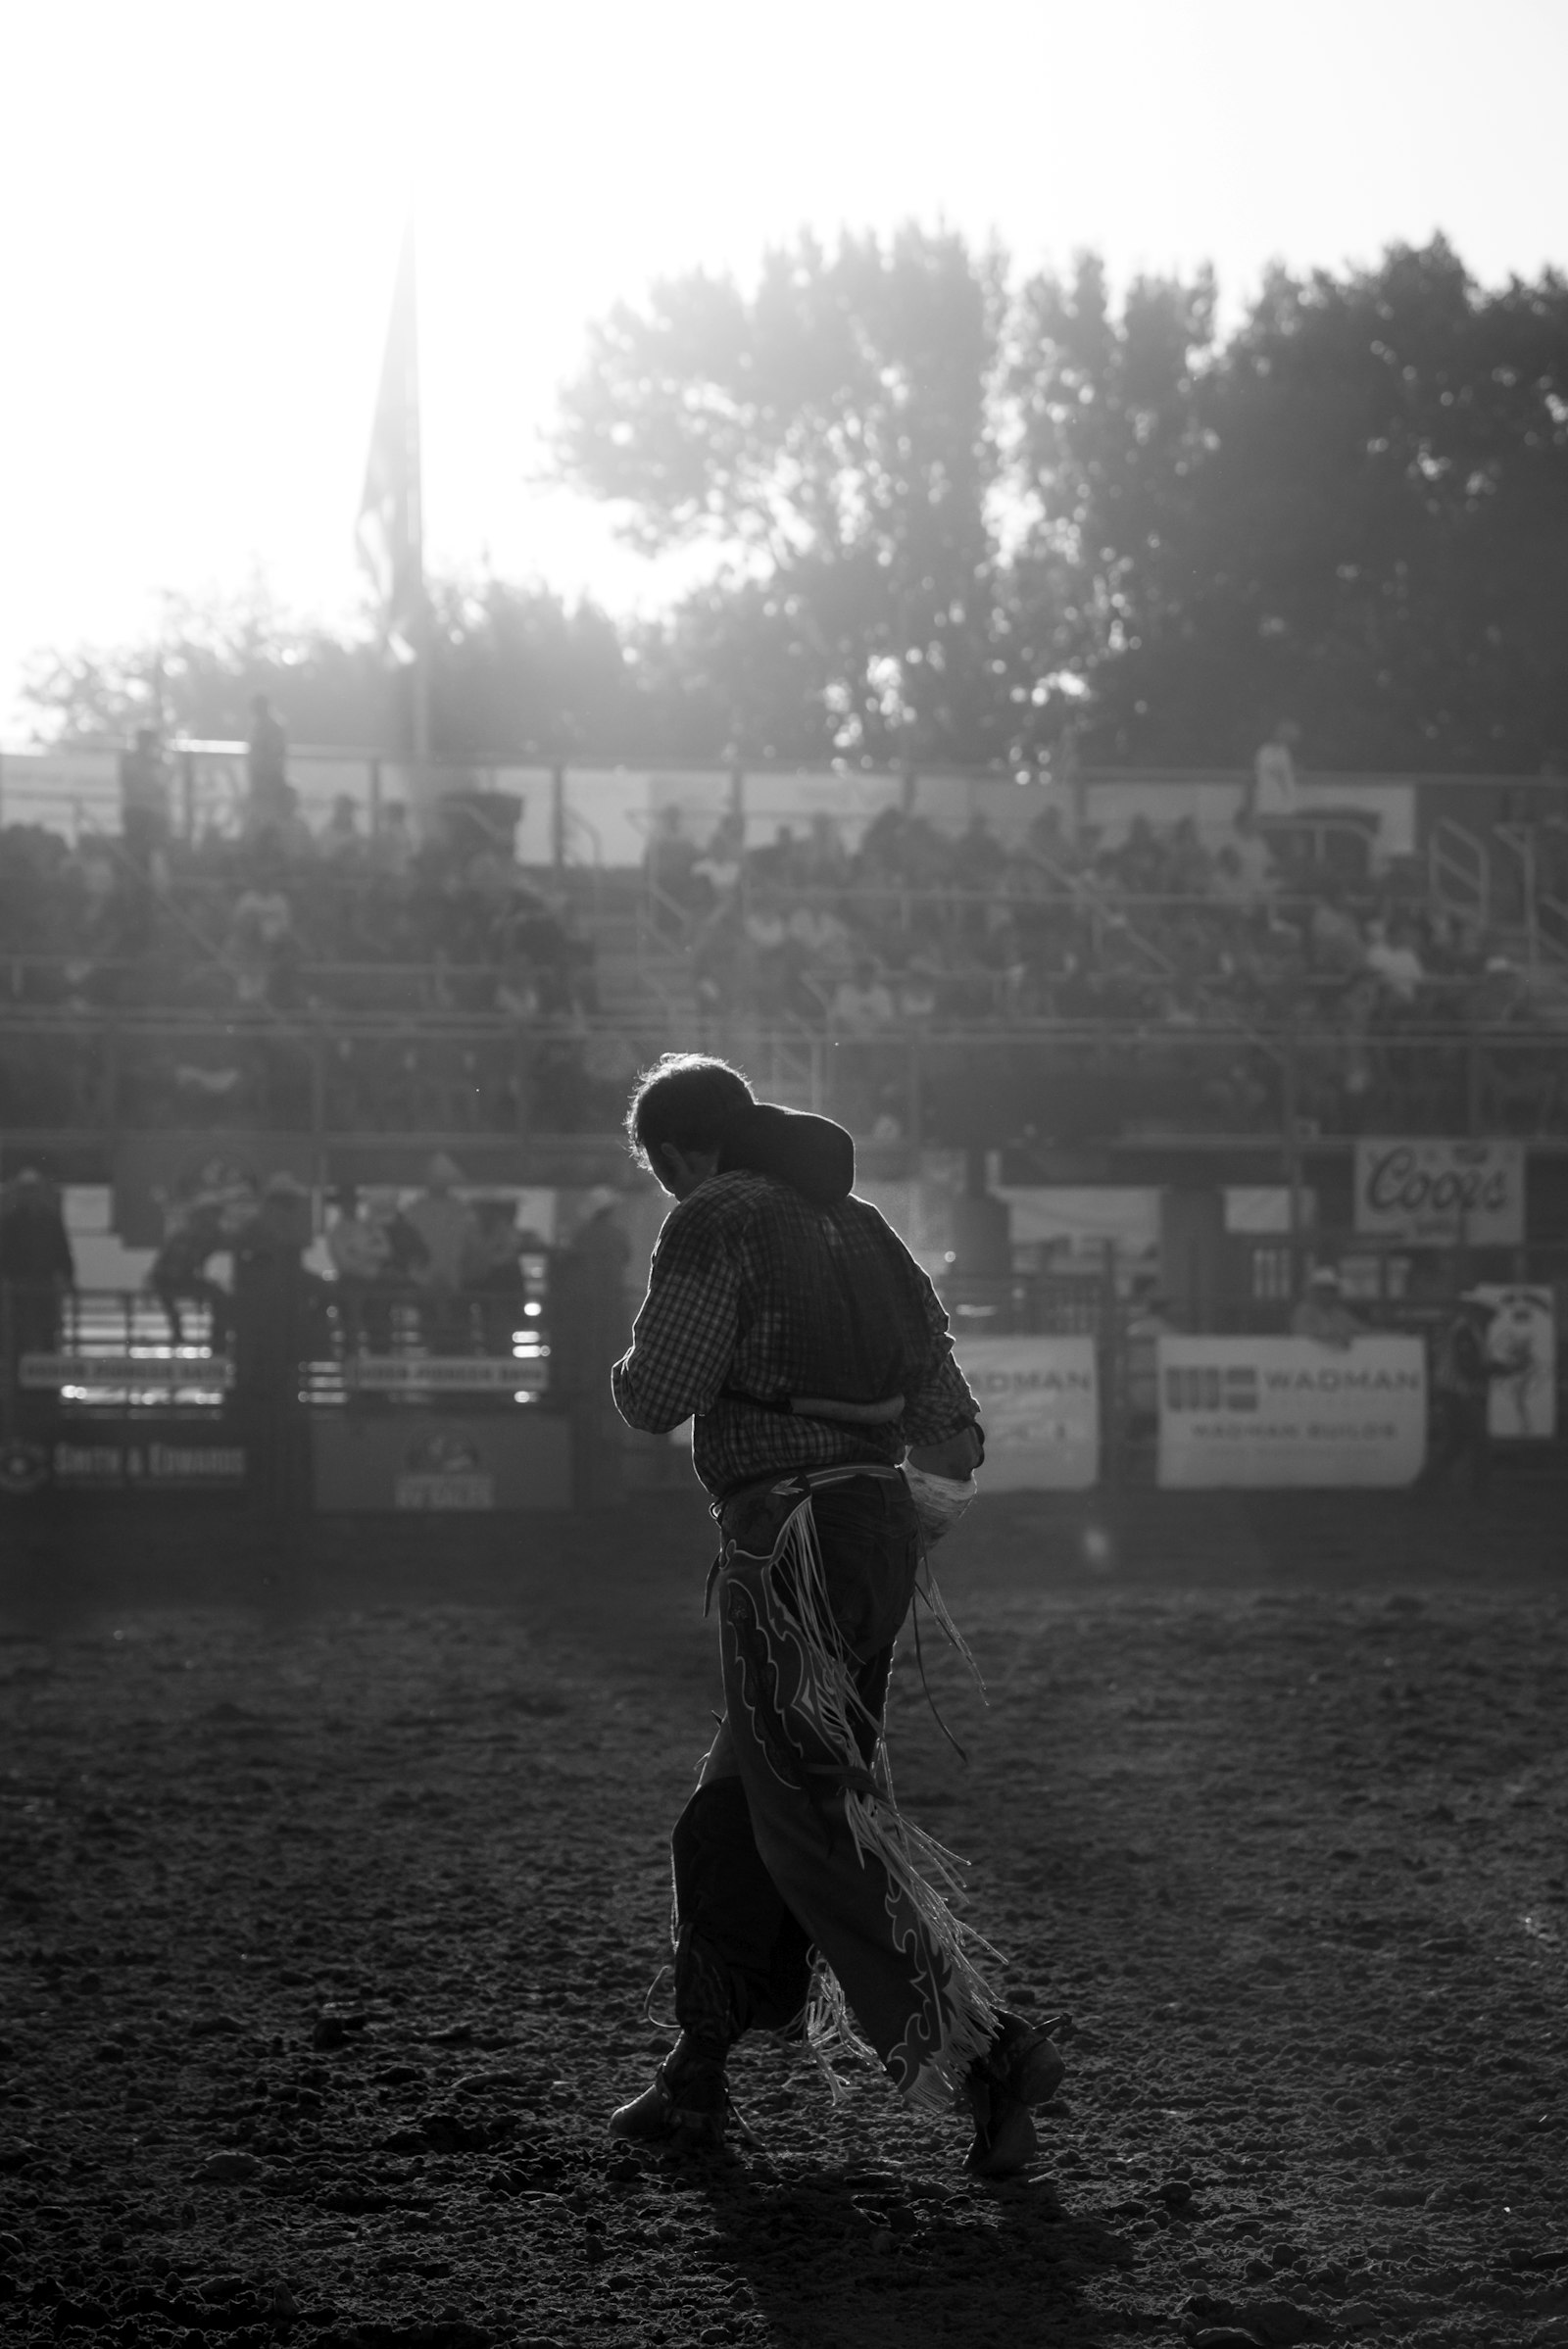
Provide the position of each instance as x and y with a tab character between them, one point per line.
1459	871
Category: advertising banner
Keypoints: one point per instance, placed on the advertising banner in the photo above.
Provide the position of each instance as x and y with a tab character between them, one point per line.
109	1457
205	1374
1435	1194
1522	1337
1261	1411
1039	1403
441	1461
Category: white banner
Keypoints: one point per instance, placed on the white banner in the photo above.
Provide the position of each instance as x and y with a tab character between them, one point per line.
147	1373
1290	1412
1039	1407
1436	1194
1522	1336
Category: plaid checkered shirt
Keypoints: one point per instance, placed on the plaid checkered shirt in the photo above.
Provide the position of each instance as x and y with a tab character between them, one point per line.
754	1293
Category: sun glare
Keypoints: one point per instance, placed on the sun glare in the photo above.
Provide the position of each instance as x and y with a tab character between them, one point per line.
213	198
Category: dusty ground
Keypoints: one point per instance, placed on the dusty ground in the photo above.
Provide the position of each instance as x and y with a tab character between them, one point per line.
330	1891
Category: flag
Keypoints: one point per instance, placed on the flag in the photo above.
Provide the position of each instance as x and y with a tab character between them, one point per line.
390	532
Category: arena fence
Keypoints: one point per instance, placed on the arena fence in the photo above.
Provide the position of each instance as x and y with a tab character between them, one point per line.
317	1400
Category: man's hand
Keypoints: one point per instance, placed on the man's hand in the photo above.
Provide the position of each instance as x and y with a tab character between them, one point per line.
957	1456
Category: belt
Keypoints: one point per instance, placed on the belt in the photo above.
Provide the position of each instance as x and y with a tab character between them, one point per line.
805	1479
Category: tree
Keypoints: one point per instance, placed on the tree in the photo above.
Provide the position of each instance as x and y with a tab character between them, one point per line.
515	672
1110	446
196	673
1356	512
834	436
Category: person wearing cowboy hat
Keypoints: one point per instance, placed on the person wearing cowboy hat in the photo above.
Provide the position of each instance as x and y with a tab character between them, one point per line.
1322	1313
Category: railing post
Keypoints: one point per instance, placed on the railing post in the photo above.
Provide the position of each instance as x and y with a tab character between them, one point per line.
1290	1100
110	1078
558	820
318	1051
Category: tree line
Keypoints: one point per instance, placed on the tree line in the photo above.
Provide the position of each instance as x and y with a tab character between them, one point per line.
960	519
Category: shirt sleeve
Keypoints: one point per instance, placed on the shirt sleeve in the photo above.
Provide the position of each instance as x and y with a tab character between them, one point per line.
940	1404
684	1337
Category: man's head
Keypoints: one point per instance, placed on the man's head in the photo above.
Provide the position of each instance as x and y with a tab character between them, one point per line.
678	1115
1324	1282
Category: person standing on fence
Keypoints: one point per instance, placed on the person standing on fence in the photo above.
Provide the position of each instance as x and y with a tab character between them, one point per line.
270	800
37	1269
144	797
443	1222
789	1319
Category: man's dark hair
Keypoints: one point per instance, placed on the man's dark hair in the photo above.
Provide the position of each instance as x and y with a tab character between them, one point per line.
688	1099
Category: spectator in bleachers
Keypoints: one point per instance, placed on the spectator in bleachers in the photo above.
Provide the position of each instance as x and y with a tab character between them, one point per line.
978	855
1393	960
392	849
342	844
1048	839
1334	937
1274	794
863	1003
716	873
669	863
262	948
823	861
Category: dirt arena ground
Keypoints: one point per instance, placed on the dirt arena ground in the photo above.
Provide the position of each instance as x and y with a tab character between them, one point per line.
331	1888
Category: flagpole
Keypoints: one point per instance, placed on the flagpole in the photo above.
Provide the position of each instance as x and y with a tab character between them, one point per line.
421	682
391	528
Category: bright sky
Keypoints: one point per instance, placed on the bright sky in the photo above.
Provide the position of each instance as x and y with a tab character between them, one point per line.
202	202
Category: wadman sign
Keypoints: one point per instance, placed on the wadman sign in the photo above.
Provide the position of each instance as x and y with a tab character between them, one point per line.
1039	1407
1290	1412
1435	1194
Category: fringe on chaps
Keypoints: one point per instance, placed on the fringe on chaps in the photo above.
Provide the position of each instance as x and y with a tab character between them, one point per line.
900	1974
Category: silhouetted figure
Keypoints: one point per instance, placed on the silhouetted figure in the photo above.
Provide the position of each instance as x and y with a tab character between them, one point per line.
590	1329
144	796
266	766
36	1265
1461	1388
275	1310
